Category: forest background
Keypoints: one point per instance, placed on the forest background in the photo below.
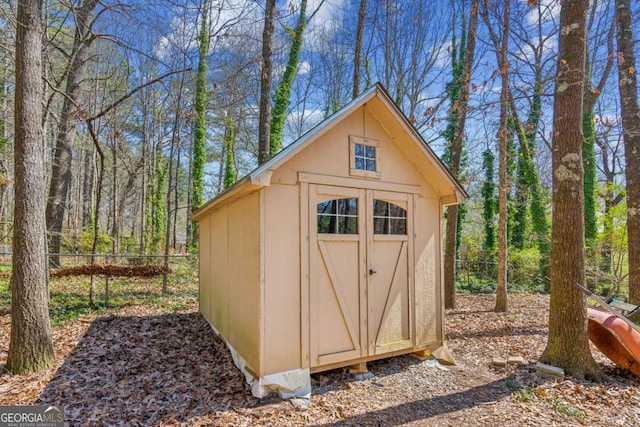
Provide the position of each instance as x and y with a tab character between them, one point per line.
121	109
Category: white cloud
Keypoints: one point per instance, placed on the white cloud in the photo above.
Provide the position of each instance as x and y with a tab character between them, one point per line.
304	68
548	11
232	16
326	21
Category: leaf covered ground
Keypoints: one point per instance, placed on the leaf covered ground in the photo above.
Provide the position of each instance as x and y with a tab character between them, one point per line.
161	364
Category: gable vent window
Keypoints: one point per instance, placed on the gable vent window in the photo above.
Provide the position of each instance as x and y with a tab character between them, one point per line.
388	218
339	216
364	157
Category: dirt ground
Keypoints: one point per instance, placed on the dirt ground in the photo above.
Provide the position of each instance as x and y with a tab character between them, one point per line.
147	367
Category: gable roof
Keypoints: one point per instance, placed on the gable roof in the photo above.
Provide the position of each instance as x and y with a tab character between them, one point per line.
383	107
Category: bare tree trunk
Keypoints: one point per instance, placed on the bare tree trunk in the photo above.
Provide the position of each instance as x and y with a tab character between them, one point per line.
568	342
61	168
115	193
176	194
611	199
357	57
503	186
167	238
628	86
591	95
30	346
96	212
266	80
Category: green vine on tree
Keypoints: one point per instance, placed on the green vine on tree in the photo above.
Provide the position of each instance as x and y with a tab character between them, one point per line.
200	126
489	200
454	91
283	92
230	173
158	219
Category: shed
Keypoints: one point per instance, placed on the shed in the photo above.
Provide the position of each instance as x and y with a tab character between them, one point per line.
329	254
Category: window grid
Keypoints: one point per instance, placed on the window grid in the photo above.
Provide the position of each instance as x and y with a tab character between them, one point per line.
338	216
365	157
389	218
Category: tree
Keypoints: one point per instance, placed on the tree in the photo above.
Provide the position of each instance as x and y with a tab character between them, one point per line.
455	137
612	194
568	342
357	55
283	91
488	201
591	95
230	174
61	168
533	58
266	80
30	348
200	126
501	45
628	86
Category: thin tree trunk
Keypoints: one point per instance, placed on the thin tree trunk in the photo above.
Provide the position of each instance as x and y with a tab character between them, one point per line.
503	185
176	194
456	155
628	86
568	342
357	57
96	213
61	167
283	91
591	95
266	79
115	196
30	346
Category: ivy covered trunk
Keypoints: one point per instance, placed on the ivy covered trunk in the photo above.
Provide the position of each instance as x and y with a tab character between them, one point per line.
628	87
568	342
30	347
283	92
458	91
230	174
200	126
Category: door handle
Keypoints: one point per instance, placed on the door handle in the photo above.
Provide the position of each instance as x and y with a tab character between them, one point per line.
372	272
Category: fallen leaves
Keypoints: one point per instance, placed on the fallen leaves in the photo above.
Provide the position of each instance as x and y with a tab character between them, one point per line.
113	270
145	366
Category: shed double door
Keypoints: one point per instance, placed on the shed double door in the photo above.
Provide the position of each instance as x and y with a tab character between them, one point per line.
360	281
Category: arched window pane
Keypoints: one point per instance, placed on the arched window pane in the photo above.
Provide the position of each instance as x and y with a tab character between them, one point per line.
389	218
339	216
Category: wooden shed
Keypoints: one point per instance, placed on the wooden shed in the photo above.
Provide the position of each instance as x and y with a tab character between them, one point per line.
329	254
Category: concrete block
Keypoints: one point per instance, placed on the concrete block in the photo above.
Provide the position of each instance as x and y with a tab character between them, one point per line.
515	360
548	371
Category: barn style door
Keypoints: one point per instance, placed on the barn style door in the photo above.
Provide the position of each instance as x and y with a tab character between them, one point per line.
359	292
388	295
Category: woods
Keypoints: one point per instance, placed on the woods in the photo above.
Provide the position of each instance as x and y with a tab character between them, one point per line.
143	111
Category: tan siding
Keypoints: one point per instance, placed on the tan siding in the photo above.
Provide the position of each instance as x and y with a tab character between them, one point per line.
244	285
282	279
205	268
260	285
427	272
330	154
219	266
